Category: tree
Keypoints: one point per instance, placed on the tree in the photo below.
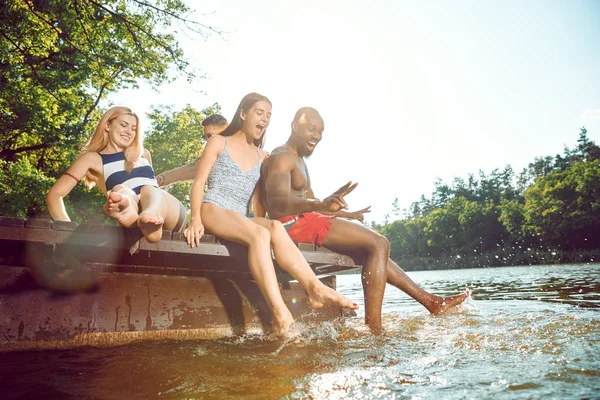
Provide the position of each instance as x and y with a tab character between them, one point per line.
588	150
176	138
60	58
511	218
24	189
441	194
539	167
407	238
396	210
555	201
564	207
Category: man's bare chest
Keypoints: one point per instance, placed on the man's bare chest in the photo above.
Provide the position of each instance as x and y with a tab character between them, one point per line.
300	181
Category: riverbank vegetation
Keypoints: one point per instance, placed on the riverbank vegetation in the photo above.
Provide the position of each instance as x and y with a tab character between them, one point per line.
548	213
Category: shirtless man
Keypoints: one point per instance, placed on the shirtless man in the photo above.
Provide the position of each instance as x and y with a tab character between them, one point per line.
288	197
213	125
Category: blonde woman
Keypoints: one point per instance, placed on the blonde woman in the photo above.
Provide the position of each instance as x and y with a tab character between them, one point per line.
115	161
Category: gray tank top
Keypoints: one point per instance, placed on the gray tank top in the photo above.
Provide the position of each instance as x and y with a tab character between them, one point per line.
228	186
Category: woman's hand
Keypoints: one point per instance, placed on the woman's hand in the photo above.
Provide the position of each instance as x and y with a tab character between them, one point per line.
194	232
160	179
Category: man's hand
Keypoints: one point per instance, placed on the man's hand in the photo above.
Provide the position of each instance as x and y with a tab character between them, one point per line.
335	202
359	215
160	178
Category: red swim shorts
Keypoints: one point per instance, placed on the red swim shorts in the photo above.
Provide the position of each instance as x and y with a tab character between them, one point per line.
309	227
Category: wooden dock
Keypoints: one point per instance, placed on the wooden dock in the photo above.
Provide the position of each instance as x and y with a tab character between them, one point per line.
65	285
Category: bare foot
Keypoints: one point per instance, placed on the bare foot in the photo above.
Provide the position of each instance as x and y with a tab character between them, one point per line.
322	295
445	304
151	226
120	208
282	323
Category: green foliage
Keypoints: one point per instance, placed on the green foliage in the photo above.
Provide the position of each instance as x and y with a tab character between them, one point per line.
551	208
23	189
58	60
176	138
406	237
84	205
564	207
511	217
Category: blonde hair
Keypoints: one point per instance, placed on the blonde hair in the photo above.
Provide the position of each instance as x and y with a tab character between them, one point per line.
99	140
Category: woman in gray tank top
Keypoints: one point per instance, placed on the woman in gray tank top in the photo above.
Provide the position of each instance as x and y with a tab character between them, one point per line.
231	164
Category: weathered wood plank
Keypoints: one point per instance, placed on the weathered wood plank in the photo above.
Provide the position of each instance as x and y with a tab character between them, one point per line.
126	307
117	246
109	286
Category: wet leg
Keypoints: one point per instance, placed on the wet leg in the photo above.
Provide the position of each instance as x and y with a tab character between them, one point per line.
395	275
290	258
349	238
434	304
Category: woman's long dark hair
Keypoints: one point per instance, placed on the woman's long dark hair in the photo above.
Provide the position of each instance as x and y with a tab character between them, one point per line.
246	104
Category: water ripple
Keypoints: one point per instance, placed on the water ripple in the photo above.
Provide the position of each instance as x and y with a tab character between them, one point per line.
530	332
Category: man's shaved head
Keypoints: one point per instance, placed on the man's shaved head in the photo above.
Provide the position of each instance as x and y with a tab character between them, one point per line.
307	131
304	112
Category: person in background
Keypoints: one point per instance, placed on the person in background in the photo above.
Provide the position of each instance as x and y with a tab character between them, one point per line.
213	125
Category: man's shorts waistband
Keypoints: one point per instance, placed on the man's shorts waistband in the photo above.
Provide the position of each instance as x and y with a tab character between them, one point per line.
289	220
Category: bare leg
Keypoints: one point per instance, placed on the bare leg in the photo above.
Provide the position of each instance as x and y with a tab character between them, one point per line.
159	210
347	237
290	258
434	304
122	206
235	227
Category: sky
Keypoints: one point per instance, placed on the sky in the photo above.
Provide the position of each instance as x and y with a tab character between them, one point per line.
410	91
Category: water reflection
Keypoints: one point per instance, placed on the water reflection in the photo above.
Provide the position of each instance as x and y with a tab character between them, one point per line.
521	337
577	285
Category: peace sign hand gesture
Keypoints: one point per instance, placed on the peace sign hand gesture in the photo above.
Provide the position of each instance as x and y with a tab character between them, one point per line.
335	202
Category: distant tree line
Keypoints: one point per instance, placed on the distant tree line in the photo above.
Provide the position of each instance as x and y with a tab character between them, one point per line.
548	213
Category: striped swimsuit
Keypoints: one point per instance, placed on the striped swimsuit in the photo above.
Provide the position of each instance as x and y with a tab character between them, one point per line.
142	174
228	186
113	168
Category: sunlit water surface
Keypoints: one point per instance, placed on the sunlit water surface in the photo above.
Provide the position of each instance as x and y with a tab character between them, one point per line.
527	332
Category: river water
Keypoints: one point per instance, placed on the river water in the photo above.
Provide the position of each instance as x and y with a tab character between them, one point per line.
525	333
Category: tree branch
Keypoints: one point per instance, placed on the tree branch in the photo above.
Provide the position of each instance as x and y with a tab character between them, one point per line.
177	60
26	59
87	37
177	17
9	154
99	97
58	32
